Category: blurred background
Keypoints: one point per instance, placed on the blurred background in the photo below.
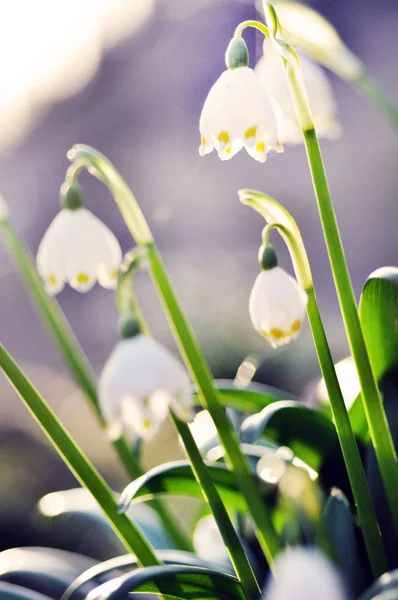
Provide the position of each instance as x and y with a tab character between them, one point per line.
129	77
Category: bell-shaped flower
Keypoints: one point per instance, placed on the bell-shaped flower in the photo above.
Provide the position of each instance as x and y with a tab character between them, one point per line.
79	249
304	574
140	382
238	113
271	72
277	305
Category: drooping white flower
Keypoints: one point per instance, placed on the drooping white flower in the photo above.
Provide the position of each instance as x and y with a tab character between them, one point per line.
140	382
271	73
79	249
304	574
237	112
277	306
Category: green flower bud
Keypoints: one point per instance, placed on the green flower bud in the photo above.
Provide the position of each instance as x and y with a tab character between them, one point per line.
129	326
237	54
71	196
267	258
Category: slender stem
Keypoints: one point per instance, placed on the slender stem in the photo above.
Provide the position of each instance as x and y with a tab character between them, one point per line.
80	367
85	472
270	209
376	94
356	474
101	168
210	493
254	24
201	374
373	406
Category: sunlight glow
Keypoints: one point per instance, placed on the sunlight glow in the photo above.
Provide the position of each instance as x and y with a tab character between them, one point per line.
51	50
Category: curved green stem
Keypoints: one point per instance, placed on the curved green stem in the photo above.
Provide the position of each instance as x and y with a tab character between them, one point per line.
376	94
98	165
270	209
254	24
85	472
210	493
79	366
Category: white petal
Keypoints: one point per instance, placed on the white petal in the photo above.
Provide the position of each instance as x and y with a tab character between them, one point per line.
79	248
304	574
271	72
237	112
277	306
142	369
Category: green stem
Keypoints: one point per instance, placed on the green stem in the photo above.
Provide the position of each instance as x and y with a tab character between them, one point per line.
376	94
279	218
373	406
356	474
210	493
101	168
201	374
230	537
80	367
85	472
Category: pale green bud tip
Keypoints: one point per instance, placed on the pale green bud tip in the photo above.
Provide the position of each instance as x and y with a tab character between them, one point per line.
237	54
267	258
4	212
129	326
71	196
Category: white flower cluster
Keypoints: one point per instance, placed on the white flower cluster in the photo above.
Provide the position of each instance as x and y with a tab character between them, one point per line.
253	108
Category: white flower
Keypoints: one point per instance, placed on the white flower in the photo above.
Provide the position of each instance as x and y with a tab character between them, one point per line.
271	72
140	382
79	249
238	112
304	574
277	306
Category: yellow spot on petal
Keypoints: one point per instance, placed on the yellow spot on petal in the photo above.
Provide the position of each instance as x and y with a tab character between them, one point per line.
82	278
146	424
223	137
114	273
145	401
276	333
260	147
52	279
251	132
228	150
296	326
203	141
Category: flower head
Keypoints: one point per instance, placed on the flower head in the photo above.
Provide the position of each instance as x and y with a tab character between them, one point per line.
271	73
304	574
140	382
277	305
238	113
79	249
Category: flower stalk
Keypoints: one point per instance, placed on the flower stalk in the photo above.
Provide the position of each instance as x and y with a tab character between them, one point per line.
80	367
86	157
83	469
129	305
271	211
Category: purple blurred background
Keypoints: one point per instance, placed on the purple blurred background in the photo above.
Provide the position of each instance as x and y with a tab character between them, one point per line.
141	108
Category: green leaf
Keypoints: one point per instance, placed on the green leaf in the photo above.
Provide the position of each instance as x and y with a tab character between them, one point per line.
9	591
250	399
378	311
336	533
91	578
309	433
41	570
187	582
177	479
